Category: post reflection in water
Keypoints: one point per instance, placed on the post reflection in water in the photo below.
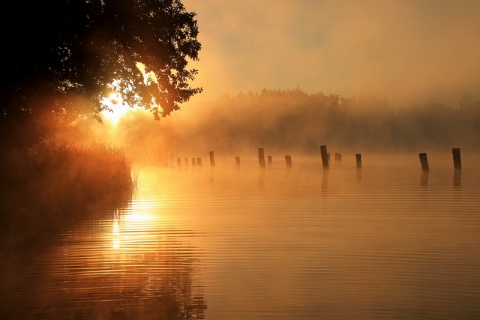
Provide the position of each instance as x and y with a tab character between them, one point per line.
261	177
264	243
324	180
212	174
457	178
424	179
359	174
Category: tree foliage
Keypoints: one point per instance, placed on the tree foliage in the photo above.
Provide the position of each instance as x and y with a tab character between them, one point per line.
61	57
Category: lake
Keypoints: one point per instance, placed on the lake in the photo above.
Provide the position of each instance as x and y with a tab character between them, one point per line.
198	242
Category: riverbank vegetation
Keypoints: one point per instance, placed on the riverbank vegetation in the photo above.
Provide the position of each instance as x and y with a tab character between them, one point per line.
47	186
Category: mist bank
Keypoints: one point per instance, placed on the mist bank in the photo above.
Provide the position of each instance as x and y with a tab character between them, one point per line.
288	121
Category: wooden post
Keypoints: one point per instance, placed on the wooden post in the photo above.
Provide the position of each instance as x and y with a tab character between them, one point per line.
323	151
338	157
457	161
199	161
193	161
179	162
212	159
269	159
237	161
288	160
261	157
424	161
358	159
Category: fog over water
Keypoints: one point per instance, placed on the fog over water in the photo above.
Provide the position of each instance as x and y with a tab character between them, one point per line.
375	76
384	79
291	122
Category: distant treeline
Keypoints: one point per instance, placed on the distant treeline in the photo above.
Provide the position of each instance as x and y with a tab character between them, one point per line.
295	120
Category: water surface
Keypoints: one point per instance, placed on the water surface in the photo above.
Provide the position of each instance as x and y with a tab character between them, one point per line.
196	242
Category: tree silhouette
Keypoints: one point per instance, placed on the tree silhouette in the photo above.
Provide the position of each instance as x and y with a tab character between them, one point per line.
60	57
292	120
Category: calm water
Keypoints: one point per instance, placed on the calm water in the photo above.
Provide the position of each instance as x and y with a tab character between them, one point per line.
385	242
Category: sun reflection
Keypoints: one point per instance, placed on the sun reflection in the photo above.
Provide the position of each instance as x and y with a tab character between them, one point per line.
133	264
134	225
115	235
116	230
142	211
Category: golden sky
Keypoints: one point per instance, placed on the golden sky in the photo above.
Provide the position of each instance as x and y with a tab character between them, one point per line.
393	48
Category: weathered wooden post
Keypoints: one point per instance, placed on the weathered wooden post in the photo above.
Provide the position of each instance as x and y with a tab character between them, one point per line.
237	161
457	161
179	162
193	161
358	159
212	159
324	153
424	161
261	157
199	161
288	160
269	159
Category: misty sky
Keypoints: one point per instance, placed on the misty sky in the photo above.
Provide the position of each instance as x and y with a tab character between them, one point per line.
393	48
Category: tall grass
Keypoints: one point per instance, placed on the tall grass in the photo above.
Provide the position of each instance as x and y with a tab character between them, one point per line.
47	186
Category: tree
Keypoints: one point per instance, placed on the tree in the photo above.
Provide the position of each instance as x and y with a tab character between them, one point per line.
61	57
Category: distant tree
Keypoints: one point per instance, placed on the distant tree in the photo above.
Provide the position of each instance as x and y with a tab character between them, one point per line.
467	104
61	57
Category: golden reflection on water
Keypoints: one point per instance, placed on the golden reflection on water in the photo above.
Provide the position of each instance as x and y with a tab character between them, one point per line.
296	243
128	265
131	225
135	268
344	243
115	234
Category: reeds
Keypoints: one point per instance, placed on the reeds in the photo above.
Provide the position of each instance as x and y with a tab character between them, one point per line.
45	186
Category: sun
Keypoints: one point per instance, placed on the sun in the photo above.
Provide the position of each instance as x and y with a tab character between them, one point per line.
116	108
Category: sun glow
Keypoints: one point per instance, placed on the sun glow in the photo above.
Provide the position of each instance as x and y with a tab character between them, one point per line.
116	108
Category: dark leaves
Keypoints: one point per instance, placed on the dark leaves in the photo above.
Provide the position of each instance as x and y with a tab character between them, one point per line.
53	49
